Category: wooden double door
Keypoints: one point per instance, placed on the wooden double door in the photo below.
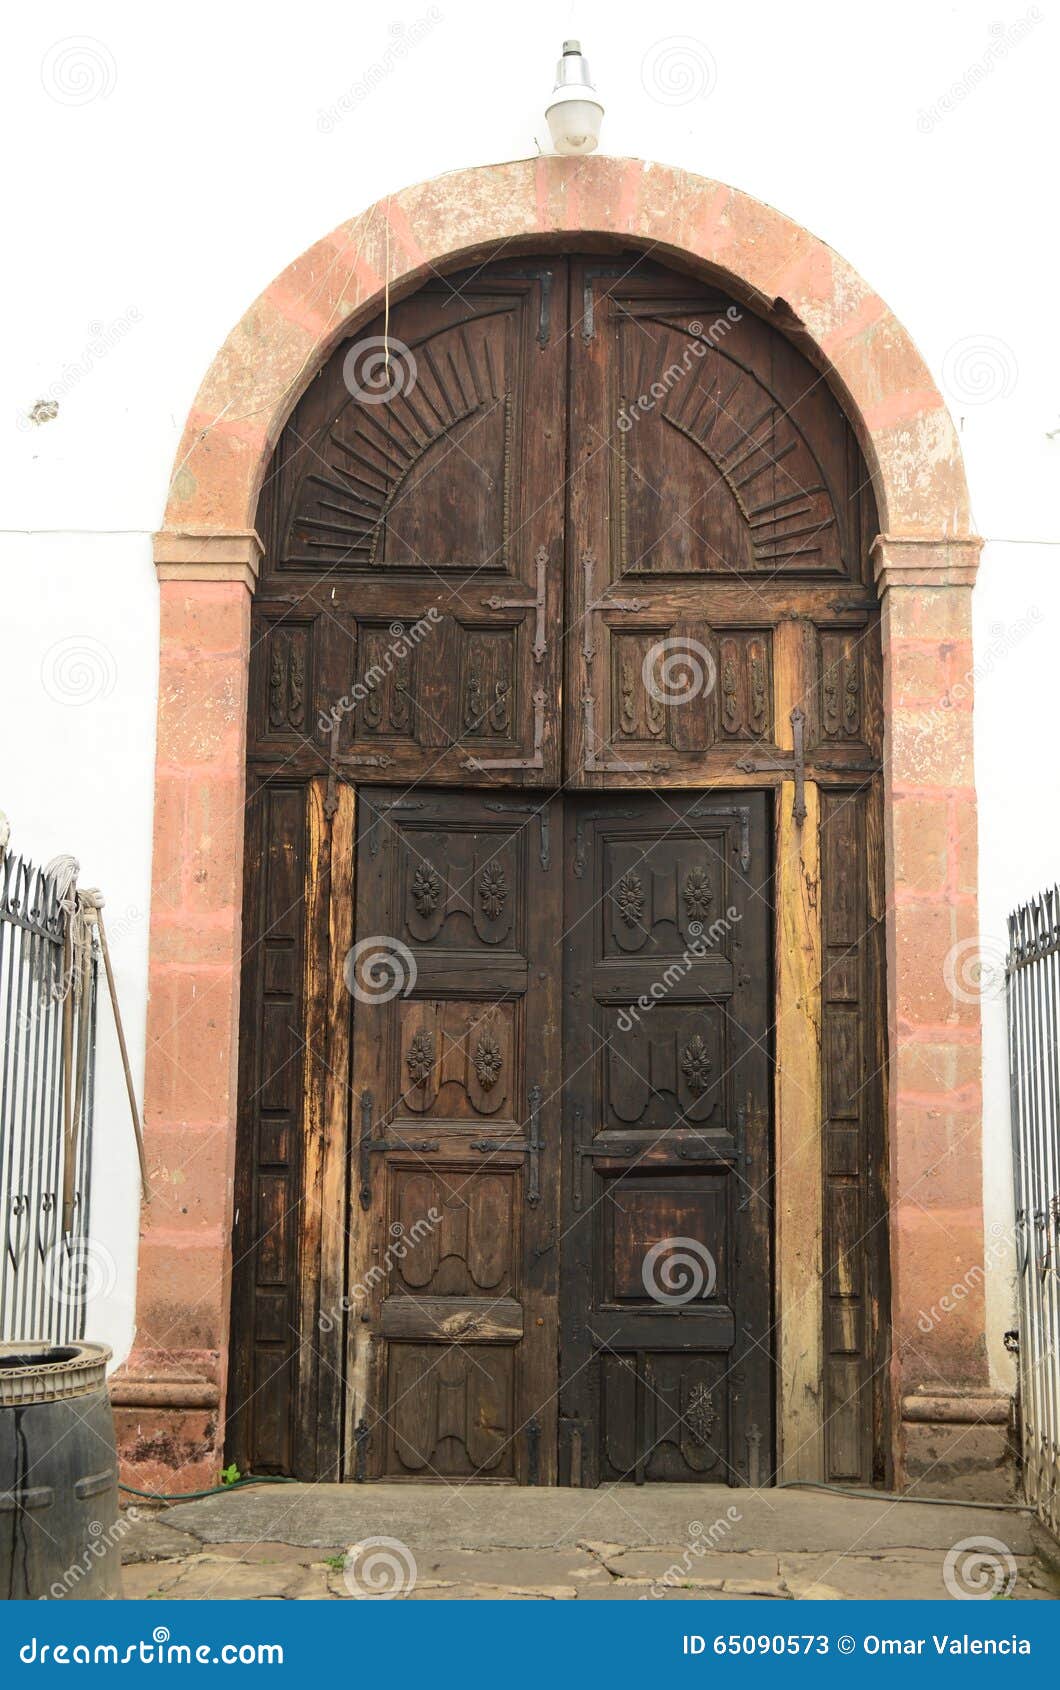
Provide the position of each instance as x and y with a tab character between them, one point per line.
562	1069
565	635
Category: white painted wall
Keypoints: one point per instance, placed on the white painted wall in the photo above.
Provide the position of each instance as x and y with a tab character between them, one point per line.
217	142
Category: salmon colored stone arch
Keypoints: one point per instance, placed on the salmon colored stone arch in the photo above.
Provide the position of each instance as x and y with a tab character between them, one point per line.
259	373
171	1393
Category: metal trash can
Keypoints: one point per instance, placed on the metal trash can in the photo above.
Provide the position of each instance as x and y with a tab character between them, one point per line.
60	1535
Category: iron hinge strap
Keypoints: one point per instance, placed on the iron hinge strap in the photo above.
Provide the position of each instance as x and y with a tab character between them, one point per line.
480	764
536	604
534	1147
363	759
794	765
601	758
591	605
369	1147
540	810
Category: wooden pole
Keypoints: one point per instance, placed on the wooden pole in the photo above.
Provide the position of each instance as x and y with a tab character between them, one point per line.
137	1128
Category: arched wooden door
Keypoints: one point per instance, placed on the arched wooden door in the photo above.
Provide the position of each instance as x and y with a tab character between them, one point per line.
565	578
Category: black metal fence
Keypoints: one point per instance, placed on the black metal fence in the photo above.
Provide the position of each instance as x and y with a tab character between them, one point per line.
48	970
1033	992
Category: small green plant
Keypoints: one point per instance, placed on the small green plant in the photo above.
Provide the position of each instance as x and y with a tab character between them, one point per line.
230	1475
335	1562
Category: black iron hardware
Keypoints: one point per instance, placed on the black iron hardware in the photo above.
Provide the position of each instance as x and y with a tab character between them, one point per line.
541	812
581	850
534	1147
369	1146
589	576
363	759
544	316
487	1144
536	761
533	1451
577	1153
536	604
847	765
794	765
602	758
361	1438
592	273
740	813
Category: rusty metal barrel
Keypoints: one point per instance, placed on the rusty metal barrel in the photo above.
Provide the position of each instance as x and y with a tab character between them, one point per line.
60	1535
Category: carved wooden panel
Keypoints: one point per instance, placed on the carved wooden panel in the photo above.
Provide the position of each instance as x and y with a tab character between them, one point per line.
457	1096
416	503
842	703
473	1247
745	684
682	1405
372	493
639	1213
271	1093
453	1413
669	1148
731	495
601	448
669	1064
717	474
458	1060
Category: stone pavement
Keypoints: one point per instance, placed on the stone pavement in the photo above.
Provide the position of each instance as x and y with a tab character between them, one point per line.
662	1542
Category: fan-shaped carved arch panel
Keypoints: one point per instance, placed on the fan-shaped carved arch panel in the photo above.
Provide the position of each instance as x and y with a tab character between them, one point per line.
415	468
715	472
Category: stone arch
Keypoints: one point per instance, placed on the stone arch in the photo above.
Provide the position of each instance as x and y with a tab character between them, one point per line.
171	1393
898	412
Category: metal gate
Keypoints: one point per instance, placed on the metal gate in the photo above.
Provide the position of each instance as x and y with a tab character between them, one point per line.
48	973
1033	993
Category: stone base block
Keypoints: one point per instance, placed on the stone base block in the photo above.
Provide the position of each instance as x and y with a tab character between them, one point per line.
959	1447
171	1450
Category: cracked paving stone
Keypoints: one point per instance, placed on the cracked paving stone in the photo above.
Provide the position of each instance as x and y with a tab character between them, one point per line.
894	1577
516	1569
634	1590
148	1539
690	1567
488	1593
274	1554
225	1580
